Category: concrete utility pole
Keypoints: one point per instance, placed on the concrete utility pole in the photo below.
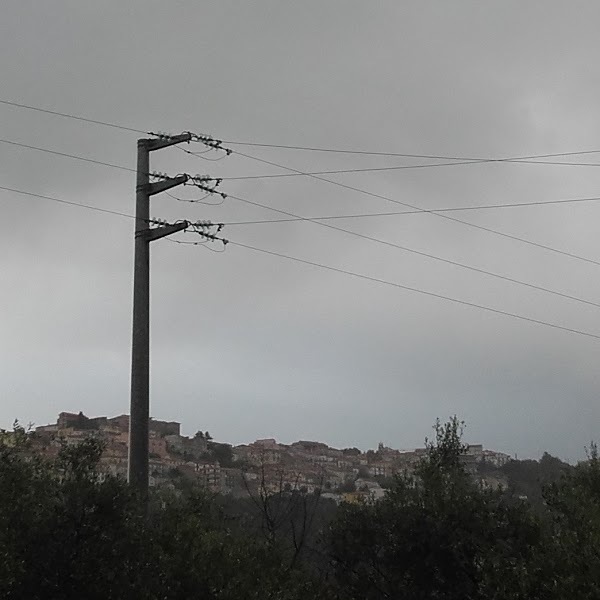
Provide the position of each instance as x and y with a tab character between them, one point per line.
137	473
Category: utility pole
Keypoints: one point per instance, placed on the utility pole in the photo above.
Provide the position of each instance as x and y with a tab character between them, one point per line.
137	472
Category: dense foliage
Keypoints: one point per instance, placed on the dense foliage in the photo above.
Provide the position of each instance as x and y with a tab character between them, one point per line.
436	534
68	532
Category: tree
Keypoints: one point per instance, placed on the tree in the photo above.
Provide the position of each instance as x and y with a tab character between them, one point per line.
223	453
573	505
65	532
204	554
436	534
351	451
363	472
530	477
69	532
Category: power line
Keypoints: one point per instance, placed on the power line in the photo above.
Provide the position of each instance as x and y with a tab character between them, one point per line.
68	202
316	176
104	210
403	155
65	155
197	200
204	244
431	256
418	291
432	212
69	116
271	176
215	144
464	160
427	255
327	267
489	230
408	212
518	160
403	167
416	212
526	241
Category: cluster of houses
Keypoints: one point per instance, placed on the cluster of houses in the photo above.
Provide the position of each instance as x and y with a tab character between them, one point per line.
264	466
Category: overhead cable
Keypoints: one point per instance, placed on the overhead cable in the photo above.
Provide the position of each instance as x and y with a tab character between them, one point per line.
403	155
416	212
403	167
363	215
420	209
68	202
336	269
69	116
396	154
65	155
419	291
430	256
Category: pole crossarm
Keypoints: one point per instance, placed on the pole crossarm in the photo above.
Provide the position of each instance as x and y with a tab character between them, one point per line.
166	184
164	142
156	233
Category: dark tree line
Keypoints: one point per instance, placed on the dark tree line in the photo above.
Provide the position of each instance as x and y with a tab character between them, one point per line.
68	532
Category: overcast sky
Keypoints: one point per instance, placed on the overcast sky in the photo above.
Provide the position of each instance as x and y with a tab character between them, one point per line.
249	345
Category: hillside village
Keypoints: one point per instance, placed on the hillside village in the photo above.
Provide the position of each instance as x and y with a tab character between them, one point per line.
264	465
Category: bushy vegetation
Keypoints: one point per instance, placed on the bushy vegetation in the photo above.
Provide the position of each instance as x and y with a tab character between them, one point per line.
68	532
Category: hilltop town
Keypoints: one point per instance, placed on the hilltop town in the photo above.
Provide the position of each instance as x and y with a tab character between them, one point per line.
264	465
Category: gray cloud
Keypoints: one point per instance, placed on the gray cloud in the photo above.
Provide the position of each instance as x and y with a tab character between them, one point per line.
249	345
